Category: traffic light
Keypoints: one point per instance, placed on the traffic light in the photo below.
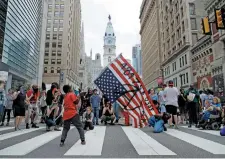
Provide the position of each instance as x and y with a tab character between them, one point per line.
206	29
220	19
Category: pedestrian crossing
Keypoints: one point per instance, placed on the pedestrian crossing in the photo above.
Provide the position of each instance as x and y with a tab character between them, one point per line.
112	142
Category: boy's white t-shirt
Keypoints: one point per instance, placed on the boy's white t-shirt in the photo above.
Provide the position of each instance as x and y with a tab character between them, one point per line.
171	96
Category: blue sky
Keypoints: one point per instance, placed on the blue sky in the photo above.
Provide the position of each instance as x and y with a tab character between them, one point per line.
125	19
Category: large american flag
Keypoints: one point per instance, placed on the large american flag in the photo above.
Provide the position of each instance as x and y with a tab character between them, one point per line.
120	82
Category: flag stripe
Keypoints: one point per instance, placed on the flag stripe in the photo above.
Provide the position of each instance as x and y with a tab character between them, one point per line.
148	113
145	90
128	94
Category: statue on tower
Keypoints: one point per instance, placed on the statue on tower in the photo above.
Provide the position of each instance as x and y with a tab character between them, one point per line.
109	17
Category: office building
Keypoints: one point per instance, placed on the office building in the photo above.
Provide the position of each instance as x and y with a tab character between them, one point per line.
63	43
20	36
137	59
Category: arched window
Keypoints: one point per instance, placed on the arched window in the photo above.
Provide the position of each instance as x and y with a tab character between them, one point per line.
58	69
45	70
52	69
97	57
109	59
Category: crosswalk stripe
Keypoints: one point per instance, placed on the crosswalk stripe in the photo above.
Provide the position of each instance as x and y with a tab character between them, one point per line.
27	146
17	133
213	132
144	144
6	128
207	145
93	147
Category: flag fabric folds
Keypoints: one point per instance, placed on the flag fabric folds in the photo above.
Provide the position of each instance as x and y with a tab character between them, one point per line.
120	82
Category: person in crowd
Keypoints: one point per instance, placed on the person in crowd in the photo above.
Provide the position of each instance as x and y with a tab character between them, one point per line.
43	104
70	115
88	96
19	104
210	95
202	98
116	111
10	97
33	97
153	95
52	103
171	94
108	114
95	105
88	118
182	106
161	96
192	105
158	121
2	98
211	109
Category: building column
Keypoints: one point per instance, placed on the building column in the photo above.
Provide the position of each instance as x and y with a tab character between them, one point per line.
9	82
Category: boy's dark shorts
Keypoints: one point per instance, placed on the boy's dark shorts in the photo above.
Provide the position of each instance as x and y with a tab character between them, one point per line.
171	109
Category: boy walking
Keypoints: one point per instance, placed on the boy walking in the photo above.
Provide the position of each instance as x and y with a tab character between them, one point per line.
71	115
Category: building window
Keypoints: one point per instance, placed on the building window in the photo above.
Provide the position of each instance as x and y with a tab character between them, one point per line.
49	21
61	21
185	56
45	70
54	44
193	24
47	45
46	53
62	6
182	12
183	27
192	8
61	14
54	36
55	29
49	6
48	29
182	60
194	38
109	50
46	61
180	63
187	77
60	37
59	44
53	53
52	69
49	14
58	69
109	59
58	61
56	6
56	21
47	36
60	29
56	13
59	53
53	61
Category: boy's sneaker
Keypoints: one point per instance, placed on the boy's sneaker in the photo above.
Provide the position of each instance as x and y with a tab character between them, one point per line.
83	142
176	127
7	124
116	121
2	124
27	126
164	127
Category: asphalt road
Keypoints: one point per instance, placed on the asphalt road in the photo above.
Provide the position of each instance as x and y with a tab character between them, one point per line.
112	142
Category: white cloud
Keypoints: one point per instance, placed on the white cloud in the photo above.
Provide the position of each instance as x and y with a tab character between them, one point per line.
125	19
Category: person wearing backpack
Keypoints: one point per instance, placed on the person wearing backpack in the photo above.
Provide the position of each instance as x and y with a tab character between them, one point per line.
2	99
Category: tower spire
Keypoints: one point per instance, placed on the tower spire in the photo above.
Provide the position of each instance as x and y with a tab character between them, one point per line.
109	17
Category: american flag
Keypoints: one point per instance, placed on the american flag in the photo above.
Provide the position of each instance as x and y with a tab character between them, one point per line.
120	82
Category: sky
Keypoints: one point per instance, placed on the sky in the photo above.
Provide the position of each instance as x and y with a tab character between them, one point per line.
125	21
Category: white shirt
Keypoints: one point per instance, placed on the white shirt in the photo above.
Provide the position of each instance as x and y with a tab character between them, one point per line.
162	98
171	96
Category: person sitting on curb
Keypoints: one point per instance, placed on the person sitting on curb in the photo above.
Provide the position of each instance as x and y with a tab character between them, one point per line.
88	118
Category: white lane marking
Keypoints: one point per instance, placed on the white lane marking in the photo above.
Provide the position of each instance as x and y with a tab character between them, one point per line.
28	146
93	147
144	144
17	133
6	128
213	132
207	145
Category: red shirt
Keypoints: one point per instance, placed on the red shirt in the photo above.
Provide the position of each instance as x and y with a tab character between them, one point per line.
35	96
70	109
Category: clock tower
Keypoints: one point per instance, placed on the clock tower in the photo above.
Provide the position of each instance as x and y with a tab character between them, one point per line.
109	44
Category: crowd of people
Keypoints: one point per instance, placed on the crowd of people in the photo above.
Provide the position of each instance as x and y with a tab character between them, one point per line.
73	106
191	106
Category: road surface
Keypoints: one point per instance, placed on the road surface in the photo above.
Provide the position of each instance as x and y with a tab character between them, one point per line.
112	142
